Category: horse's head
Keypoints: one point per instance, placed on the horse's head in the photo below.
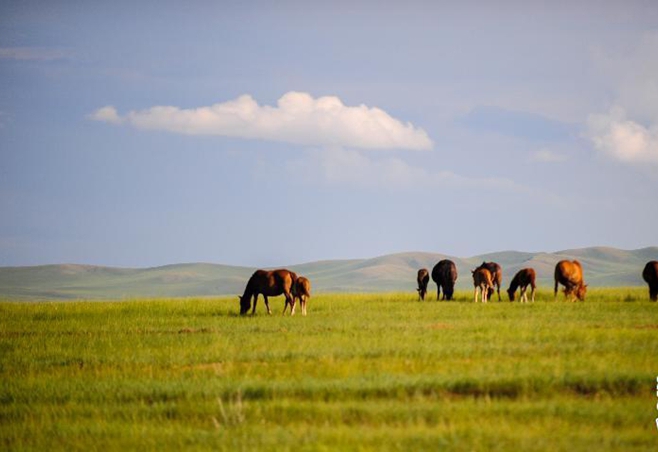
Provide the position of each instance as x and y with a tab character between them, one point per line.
581	291
245	304
511	293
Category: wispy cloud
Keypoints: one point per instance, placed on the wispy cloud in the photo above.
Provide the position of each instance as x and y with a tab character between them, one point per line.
348	167
297	118
33	53
549	156
623	139
106	114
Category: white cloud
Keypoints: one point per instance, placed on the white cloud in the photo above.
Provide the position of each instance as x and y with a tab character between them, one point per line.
297	118
628	132
622	138
106	114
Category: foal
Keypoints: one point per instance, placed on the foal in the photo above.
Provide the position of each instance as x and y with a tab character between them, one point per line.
523	278
482	280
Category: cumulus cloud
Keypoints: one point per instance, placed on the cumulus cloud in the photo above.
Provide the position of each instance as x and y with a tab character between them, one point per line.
623	139
297	118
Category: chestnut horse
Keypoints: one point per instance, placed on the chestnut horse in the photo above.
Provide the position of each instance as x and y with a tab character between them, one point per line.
269	284
302	291
482	280
444	274
523	278
422	279
496	277
650	275
570	275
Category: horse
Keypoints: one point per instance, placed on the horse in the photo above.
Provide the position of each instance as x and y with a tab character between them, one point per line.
269	284
496	277
482	280
650	275
570	275
444	274
523	278
422	279
302	291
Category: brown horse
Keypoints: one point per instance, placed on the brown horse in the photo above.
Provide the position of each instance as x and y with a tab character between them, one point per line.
570	275
650	275
482	280
496	277
302	291
422	279
269	284
523	278
444	274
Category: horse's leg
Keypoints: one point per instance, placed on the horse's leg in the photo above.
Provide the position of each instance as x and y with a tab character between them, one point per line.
498	290
485	294
292	311
524	297
303	303
475	295
555	291
532	293
267	305
253	310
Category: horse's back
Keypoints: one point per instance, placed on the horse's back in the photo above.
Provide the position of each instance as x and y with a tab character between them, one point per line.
570	272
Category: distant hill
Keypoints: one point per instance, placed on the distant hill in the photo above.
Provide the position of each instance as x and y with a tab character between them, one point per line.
395	272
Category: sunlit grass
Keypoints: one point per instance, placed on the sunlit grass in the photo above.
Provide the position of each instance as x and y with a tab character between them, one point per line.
360	372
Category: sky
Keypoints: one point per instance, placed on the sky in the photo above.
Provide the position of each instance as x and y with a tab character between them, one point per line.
138	134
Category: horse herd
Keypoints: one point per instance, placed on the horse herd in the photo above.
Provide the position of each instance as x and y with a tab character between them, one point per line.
486	278
489	275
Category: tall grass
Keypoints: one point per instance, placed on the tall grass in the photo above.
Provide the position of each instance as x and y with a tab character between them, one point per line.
360	372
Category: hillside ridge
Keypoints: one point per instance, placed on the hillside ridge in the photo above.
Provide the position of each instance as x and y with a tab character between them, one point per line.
603	266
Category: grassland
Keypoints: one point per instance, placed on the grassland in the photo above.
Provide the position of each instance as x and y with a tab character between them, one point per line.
360	372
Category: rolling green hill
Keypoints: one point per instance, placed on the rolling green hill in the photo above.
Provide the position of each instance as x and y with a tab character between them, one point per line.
395	272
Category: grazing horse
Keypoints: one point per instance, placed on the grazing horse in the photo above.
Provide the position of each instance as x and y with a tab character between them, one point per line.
482	280
444	274
523	278
302	291
496	277
269	284
570	275
422	279
650	275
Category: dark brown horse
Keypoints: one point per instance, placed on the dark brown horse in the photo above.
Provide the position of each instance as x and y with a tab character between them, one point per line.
523	278
650	275
570	275
422	279
483	281
269	284
444	274
301	291
496	277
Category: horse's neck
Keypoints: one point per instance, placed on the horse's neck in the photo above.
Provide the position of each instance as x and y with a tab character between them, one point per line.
248	291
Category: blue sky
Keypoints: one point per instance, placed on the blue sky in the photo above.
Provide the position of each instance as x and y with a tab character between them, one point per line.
253	134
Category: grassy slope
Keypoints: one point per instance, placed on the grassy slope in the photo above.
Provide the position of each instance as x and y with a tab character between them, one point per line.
397	272
361	372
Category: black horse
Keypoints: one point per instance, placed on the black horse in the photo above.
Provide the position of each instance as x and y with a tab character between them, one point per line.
444	274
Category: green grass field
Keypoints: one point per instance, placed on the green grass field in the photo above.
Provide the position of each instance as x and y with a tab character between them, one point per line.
360	372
